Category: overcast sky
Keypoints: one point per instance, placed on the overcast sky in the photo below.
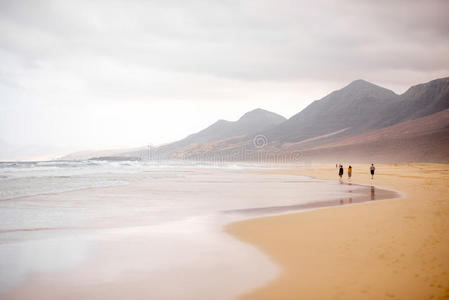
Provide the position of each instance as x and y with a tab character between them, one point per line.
80	75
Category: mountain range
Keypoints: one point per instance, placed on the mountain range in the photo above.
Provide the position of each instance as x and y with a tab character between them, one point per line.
361	122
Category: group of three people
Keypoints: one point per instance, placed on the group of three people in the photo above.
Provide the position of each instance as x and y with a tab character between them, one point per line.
340	171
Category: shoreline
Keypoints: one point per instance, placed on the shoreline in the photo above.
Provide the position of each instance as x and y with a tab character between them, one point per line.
366	251
354	197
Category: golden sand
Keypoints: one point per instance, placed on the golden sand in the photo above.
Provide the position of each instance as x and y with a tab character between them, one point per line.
392	249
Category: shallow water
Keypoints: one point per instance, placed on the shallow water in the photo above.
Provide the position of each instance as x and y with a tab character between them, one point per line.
158	236
18	179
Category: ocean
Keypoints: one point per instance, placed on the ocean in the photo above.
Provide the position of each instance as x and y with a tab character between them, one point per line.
18	179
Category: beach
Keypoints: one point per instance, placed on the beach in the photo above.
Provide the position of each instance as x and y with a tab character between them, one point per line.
392	249
263	233
139	230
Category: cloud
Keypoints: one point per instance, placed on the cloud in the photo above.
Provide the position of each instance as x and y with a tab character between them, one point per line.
245	40
80	52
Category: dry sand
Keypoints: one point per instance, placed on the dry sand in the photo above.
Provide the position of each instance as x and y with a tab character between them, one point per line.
392	249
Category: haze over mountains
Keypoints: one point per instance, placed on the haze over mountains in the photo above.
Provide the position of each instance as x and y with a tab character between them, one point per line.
358	123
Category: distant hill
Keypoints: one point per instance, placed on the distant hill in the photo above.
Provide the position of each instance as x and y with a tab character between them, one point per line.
352	109
360	122
418	101
361	107
350	114
424	139
90	154
116	158
251	122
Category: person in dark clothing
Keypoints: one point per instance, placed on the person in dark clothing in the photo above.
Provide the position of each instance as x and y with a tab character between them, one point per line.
340	171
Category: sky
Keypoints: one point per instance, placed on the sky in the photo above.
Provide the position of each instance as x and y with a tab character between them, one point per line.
79	75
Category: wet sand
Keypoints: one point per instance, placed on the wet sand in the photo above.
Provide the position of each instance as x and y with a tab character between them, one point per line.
394	249
354	196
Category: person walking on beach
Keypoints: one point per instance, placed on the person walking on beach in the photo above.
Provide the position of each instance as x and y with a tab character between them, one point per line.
372	169
340	172
349	172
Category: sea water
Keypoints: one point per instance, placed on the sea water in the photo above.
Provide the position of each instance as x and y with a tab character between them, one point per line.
19	179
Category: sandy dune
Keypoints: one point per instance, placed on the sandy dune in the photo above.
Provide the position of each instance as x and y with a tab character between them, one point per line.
392	249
